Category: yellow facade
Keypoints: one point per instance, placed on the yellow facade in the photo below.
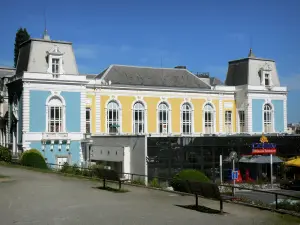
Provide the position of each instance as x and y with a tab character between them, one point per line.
152	103
92	106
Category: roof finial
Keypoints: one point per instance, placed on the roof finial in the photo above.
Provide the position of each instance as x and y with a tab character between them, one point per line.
45	35
251	55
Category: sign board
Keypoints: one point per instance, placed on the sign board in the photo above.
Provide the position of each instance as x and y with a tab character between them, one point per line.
234	175
264	147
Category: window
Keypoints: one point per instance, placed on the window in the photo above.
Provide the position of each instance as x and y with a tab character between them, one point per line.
228	121
208	119
242	121
268	120
113	114
186	118
163	118
267	79
138	118
55	115
88	120
55	66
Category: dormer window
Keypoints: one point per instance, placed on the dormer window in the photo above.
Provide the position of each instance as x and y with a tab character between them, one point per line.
55	62
55	66
267	79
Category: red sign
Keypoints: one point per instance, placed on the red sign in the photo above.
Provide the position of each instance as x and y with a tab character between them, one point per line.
261	151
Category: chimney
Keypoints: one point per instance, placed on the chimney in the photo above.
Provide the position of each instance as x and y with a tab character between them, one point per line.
180	67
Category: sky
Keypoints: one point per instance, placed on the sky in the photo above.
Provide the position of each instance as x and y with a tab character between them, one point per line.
202	35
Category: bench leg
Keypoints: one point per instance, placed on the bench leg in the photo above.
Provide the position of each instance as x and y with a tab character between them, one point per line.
196	196
119	185
104	183
221	206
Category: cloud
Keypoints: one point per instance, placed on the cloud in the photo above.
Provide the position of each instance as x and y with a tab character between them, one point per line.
292	82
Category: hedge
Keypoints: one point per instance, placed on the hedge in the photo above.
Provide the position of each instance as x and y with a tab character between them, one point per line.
33	158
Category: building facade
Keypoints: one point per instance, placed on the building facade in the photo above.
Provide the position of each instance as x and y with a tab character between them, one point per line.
53	108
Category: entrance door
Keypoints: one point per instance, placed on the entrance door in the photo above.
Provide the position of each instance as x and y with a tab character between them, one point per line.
60	161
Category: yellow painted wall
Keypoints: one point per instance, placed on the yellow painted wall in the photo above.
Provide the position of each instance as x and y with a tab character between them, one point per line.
216	104
103	100
233	109
127	101
92	106
175	106
152	113
198	106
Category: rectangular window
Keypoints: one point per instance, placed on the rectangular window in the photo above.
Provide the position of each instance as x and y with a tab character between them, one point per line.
88	120
55	119
267	79
228	121
55	66
242	121
163	122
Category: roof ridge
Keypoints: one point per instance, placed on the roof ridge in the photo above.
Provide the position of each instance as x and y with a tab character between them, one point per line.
148	67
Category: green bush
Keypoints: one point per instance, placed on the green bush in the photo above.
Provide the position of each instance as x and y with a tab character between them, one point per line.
178	183
5	154
154	183
139	181
33	158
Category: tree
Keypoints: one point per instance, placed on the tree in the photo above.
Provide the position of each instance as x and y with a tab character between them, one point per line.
21	36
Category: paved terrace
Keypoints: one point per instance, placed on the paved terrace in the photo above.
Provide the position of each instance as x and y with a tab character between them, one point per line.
42	198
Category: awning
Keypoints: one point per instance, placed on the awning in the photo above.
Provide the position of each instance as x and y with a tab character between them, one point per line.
260	159
115	125
293	162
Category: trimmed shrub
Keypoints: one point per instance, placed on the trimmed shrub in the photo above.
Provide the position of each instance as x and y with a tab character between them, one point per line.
154	183
33	158
5	154
178	182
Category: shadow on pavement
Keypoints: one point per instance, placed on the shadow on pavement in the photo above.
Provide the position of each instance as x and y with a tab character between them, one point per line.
201	208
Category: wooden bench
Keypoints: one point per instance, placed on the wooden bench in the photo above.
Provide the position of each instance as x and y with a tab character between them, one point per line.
110	175
207	190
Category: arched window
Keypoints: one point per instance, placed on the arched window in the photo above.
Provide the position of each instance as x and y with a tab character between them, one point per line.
138	118
163	118
208	119
55	108
113	117
186	118
268	120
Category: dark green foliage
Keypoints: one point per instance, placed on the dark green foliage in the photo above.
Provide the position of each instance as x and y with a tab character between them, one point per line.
5	154
21	36
33	158
178	182
139	181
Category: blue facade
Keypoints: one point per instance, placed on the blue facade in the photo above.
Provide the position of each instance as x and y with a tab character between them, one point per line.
257	115
38	110
72	111
37	121
74	151
278	115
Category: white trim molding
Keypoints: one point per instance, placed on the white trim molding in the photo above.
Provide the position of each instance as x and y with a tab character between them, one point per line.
141	100
98	111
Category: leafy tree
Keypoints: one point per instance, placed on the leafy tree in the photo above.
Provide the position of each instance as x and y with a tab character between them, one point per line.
21	36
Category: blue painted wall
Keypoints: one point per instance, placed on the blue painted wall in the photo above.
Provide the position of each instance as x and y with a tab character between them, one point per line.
74	150
278	115
37	112
72	111
257	120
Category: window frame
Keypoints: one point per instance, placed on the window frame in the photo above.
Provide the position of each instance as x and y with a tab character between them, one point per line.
184	122
88	121
141	122
268	119
118	111
161	123
62	107
242	120
213	118
228	123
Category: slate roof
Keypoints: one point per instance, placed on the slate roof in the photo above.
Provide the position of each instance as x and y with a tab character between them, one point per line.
148	76
7	71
